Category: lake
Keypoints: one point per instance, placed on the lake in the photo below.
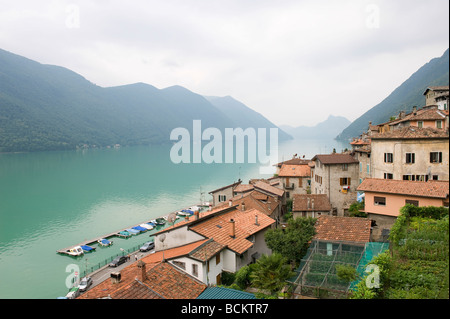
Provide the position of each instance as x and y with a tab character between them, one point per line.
52	200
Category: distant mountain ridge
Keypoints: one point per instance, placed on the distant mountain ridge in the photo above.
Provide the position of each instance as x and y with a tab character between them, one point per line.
46	107
403	98
329	128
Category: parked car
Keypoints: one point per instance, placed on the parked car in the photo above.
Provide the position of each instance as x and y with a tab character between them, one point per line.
147	246
118	261
85	283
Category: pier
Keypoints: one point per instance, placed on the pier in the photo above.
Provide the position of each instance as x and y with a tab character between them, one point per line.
65	251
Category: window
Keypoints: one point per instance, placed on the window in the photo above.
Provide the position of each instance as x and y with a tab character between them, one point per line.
222	198
388	176
360	167
410	158
420	124
379	201
436	157
412	202
388	157
368	168
195	270
217	259
345	181
345	167
180	264
435	177
439	124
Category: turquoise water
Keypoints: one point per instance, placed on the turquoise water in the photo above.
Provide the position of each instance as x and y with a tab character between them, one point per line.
52	200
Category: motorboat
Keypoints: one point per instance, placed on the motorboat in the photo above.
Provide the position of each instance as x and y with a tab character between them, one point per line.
75	251
104	242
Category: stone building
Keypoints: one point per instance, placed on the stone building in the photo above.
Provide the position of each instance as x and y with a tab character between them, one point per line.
336	175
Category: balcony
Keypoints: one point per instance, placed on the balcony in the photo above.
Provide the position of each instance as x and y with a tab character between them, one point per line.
288	186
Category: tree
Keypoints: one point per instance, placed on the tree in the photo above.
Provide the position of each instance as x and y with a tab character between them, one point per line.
271	273
292	242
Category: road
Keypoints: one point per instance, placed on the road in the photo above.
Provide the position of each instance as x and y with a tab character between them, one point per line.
104	273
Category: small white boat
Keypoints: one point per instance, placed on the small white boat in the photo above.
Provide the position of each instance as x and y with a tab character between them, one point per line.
146	226
75	251
194	208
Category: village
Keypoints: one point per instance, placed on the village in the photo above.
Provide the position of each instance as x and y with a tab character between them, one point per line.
352	198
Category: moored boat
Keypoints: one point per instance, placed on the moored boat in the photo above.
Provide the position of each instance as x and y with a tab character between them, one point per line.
75	251
160	221
104	242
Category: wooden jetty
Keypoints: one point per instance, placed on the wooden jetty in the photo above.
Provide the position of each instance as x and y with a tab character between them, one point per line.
65	251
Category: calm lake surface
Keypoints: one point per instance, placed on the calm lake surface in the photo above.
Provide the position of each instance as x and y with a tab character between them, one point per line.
52	200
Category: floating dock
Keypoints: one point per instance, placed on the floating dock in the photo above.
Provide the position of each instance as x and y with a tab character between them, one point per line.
65	251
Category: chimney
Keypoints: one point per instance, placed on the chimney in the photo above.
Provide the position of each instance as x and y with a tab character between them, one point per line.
186	218
256	220
232	229
197	214
414	109
142	273
115	277
230	203
243	206
401	115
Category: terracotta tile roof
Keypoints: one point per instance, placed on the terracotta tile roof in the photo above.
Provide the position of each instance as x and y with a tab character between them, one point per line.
412	132
360	142
303	202
294	161
135	290
221	188
295	171
255	200
335	159
434	189
334	228
192	219
265	187
172	283
219	226
207	251
175	252
243	188
163	281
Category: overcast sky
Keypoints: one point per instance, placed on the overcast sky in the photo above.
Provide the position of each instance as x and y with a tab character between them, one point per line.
294	61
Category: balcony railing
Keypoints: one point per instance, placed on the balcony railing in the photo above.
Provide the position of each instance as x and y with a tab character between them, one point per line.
288	186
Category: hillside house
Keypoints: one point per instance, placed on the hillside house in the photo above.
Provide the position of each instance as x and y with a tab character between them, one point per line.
295	179
384	198
310	205
434	93
410	153
336	175
224	193
241	231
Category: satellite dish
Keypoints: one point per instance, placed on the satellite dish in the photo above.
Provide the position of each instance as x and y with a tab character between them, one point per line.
172	217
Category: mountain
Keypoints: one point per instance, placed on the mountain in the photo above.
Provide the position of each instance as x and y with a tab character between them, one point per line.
403	98
243	116
329	128
46	107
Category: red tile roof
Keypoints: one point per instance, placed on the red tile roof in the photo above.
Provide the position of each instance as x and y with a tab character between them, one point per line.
433	189
412	132
163	281
219	226
295	171
334	228
335	159
265	187
304	202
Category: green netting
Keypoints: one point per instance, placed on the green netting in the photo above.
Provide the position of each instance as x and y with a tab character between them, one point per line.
317	271
371	251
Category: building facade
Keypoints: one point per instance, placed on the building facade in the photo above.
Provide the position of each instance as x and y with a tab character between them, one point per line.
337	176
